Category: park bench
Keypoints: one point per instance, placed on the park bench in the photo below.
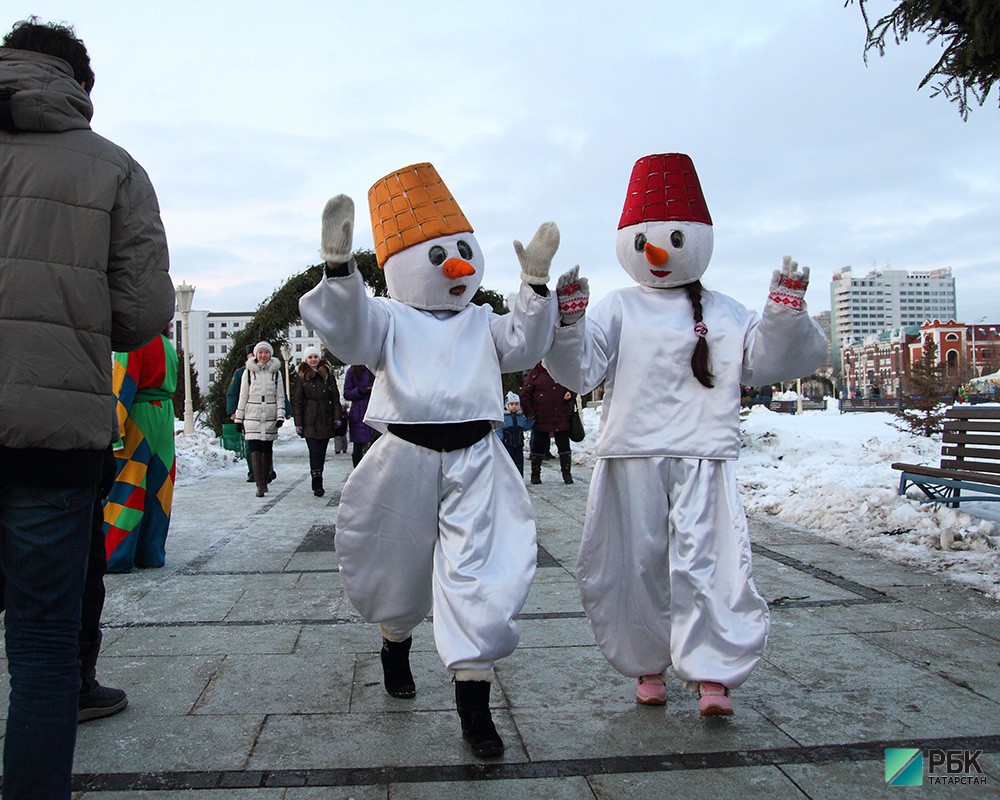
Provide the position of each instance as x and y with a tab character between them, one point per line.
970	460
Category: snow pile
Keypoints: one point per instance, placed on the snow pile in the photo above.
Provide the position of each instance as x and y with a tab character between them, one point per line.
831	473
200	454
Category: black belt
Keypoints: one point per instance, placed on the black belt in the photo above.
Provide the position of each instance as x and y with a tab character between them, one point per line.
443	437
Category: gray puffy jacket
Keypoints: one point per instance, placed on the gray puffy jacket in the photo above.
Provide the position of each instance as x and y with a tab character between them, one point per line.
83	261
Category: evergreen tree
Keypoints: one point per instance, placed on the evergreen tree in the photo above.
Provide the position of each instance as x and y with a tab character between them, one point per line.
922	408
969	31
197	400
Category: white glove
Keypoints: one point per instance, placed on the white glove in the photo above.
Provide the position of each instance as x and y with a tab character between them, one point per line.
338	230
573	293
788	285
537	256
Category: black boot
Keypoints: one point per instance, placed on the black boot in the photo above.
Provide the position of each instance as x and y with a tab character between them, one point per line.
472	699
96	701
395	657
536	468
317	483
260	474
565	462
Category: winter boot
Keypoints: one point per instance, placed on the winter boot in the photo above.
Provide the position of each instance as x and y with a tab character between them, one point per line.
260	474
96	701
395	657
472	699
536	468
269	465
565	462
317	483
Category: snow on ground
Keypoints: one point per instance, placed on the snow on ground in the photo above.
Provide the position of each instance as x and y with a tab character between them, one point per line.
821	471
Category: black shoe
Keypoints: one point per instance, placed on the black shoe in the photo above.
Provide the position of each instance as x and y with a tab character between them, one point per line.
395	657
472	699
251	478
100	701
271	476
317	485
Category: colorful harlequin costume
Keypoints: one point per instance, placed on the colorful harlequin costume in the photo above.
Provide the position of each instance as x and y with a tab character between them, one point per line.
435	515
664	566
137	511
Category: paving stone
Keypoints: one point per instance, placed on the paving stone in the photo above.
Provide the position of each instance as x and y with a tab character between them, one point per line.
750	783
135	742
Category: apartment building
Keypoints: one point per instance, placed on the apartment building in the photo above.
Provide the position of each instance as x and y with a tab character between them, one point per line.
886	300
211	335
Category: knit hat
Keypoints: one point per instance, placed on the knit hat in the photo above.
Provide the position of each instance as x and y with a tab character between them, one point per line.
513	398
248	350
263	346
311	350
410	206
664	188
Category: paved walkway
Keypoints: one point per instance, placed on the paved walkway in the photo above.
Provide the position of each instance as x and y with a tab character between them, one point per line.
250	675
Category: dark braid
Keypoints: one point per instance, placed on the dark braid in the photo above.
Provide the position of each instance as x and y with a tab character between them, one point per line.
699	358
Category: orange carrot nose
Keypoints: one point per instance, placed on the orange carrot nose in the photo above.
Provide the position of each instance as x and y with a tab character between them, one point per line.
456	268
655	255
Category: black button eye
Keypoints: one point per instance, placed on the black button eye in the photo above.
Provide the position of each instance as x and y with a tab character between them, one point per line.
640	242
677	239
464	250
437	255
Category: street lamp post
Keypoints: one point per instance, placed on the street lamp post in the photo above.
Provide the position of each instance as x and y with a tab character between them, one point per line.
974	373
286	353
185	295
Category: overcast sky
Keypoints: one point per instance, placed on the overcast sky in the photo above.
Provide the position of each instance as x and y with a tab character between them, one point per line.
249	115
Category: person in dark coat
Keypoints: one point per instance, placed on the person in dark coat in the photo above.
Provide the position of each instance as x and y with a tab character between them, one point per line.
316	406
358	389
550	405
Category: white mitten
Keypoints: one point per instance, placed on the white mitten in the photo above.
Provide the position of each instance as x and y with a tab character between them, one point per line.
537	256
788	285
338	230
573	293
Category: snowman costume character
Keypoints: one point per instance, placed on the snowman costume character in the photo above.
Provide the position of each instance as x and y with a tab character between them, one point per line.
664	566
435	516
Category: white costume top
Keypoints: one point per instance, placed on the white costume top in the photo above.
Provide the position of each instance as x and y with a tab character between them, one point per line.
430	367
641	339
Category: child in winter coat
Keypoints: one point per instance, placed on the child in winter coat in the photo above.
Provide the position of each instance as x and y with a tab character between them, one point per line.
665	568
515	425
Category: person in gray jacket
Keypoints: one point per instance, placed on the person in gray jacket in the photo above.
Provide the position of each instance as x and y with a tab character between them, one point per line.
83	272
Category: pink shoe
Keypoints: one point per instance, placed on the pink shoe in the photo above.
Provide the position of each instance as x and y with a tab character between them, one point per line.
714	700
650	690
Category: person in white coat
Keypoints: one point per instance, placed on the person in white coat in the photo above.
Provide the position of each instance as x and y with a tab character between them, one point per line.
664	566
435	515
261	412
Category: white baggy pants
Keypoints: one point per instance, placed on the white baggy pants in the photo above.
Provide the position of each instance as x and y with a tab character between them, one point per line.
665	570
418	528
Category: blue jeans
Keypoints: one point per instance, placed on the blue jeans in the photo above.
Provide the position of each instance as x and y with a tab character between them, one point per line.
44	539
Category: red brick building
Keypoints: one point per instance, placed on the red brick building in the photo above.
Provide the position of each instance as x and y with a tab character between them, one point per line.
881	365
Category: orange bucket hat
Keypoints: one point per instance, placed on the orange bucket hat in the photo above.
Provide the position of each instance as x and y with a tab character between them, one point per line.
410	206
